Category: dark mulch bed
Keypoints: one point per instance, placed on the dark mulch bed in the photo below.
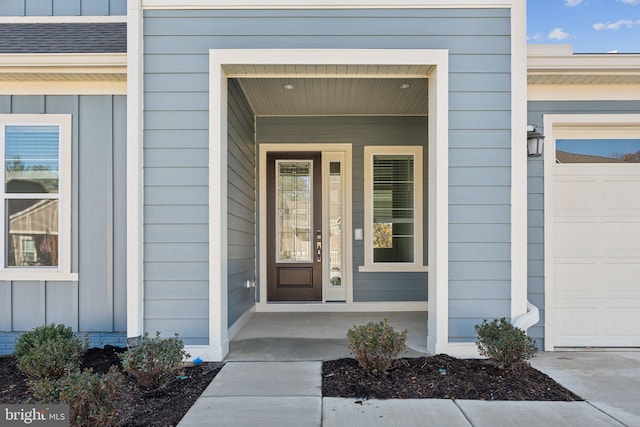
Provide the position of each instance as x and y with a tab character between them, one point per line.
440	377
161	407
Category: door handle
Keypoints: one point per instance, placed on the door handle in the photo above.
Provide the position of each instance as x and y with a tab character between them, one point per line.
318	251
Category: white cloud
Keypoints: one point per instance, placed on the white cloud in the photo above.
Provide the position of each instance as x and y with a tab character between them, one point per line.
613	25
535	37
630	1
558	34
572	3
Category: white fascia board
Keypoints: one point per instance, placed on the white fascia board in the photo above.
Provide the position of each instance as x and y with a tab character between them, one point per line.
588	63
60	87
322	4
583	92
63	19
111	63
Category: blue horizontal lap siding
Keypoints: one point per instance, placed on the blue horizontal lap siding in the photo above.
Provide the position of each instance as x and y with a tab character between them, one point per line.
177	44
536	111
63	7
241	204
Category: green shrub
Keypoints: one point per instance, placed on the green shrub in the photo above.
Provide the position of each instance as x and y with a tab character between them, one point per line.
92	398
375	345
49	352
507	346
154	361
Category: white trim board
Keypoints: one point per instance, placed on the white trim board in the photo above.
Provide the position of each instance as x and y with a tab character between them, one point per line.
519	227
62	19
64	62
135	190
583	93
34	87
322	4
356	307
438	169
554	124
241	322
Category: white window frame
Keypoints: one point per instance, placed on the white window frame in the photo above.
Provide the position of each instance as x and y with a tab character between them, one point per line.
63	270
369	264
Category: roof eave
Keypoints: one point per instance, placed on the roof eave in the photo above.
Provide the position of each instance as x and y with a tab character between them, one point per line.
107	63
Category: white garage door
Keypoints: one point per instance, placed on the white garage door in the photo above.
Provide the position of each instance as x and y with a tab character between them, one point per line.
597	254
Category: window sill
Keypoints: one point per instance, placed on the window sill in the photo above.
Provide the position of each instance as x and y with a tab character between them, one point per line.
38	276
394	268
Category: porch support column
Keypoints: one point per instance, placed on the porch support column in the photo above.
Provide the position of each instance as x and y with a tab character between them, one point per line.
135	182
218	322
438	327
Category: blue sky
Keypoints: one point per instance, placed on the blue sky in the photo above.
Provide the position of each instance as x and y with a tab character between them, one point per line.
591	26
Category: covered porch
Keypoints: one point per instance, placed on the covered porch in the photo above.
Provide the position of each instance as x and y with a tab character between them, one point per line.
317	336
290	112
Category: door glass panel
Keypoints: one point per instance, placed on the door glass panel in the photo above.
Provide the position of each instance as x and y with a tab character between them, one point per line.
598	151
294	217
335	223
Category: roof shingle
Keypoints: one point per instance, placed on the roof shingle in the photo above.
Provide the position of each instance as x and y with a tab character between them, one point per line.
64	38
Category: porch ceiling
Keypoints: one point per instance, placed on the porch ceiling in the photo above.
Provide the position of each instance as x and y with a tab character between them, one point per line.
317	96
325	89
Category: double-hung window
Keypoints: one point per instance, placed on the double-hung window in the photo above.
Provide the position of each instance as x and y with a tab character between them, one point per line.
36	186
393	208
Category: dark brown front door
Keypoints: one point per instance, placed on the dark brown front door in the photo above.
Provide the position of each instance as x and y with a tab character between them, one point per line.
294	226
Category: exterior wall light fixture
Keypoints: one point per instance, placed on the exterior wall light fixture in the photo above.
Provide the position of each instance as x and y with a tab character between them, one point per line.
535	141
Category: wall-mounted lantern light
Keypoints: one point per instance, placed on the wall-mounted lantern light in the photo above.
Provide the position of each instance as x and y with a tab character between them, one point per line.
535	141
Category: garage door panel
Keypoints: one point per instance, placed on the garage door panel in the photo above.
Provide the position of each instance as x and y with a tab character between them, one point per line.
621	195
621	238
588	341
575	196
575	277
622	277
621	322
575	239
577	322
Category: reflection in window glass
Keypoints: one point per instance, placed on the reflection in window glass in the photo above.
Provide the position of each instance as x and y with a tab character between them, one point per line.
598	151
31	159
294	214
393	210
32	232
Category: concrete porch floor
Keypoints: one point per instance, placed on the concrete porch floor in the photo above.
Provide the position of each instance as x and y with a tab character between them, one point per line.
316	336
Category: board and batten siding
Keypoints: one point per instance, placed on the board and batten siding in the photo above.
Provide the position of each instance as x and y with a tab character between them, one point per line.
97	302
63	7
360	132
176	82
241	204
535	175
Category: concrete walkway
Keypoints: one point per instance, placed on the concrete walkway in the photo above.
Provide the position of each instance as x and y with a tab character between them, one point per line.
289	394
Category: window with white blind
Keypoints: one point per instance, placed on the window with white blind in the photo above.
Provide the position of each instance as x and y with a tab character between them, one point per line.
36	186
393	208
